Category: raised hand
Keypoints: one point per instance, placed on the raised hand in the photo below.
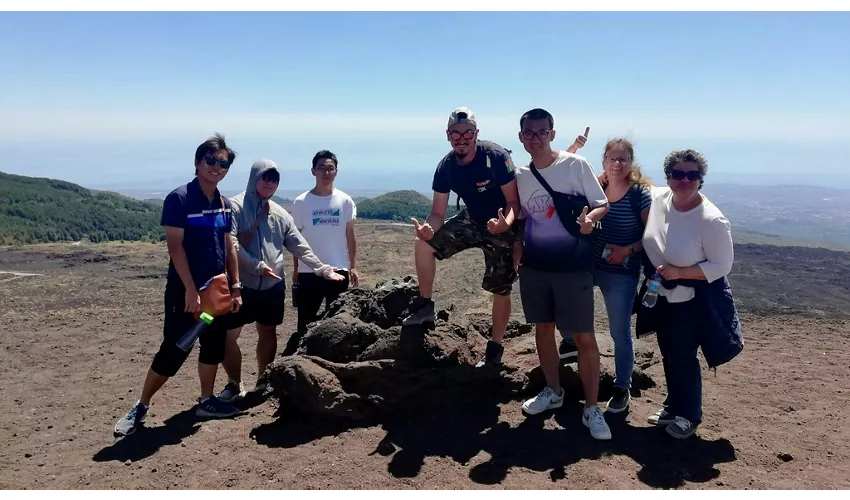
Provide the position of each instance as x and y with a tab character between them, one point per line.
499	224
585	222
423	231
579	142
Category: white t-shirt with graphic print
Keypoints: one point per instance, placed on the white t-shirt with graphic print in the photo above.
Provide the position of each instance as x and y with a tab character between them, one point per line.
322	221
546	239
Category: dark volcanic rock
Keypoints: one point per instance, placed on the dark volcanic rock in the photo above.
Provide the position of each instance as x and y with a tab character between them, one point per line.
358	362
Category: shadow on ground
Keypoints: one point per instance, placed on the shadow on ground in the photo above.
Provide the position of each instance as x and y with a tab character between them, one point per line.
460	432
146	441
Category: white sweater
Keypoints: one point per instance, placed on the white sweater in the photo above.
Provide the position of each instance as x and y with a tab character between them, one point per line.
700	236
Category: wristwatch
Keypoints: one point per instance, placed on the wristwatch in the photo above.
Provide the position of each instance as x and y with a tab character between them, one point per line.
236	285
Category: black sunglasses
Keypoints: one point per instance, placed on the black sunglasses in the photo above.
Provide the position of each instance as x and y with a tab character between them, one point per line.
692	175
212	160
468	135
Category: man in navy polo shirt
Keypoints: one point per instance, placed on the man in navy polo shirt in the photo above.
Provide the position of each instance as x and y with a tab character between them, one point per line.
482	174
198	221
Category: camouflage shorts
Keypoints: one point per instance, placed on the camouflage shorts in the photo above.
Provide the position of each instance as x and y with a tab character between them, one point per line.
460	233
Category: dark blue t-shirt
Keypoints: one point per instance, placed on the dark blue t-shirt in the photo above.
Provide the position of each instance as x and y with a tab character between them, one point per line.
205	224
479	187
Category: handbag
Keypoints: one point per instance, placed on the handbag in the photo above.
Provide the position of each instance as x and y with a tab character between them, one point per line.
215	294
569	207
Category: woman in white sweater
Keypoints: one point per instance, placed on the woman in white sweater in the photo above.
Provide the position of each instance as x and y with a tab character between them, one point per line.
686	238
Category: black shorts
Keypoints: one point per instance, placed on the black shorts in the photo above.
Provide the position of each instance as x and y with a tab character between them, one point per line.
460	233
265	307
170	358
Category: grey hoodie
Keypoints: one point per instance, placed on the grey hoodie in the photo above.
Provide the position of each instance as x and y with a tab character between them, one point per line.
275	230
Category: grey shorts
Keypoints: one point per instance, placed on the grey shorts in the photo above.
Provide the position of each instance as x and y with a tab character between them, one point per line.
563	298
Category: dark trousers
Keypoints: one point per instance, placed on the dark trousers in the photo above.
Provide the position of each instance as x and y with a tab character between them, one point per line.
678	341
312	292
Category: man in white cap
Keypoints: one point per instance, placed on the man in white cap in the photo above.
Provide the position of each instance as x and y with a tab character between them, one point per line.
482	174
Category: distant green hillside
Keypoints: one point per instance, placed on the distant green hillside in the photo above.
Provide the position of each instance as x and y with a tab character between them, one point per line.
36	210
398	206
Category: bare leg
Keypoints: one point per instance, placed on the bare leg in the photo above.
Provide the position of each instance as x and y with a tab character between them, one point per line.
547	352
153	383
206	374
266	347
426	268
232	363
588	366
501	316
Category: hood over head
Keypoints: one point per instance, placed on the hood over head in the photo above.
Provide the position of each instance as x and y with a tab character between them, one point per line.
257	170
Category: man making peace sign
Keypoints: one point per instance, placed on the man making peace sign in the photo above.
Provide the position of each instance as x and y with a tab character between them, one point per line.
482	174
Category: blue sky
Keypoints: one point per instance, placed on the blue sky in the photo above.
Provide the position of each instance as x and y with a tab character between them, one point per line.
120	100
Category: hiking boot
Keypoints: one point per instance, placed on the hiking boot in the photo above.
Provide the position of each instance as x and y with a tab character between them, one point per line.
546	400
568	351
232	391
492	355
681	428
423	313
214	408
132	420
661	417
593	419
619	402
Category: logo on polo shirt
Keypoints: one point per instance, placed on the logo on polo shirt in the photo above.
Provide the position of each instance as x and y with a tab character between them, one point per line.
326	217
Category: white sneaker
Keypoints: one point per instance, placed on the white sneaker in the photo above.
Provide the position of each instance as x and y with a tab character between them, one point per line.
595	421
547	399
232	391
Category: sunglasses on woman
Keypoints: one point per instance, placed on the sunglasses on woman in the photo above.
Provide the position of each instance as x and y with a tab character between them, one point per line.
692	175
212	160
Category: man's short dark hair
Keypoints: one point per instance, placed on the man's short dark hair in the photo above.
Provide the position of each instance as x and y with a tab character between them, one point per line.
537	114
271	175
325	155
213	145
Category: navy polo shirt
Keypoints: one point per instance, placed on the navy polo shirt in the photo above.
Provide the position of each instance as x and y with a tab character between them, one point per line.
205	224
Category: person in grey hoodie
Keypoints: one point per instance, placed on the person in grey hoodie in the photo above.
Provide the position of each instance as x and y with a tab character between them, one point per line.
262	229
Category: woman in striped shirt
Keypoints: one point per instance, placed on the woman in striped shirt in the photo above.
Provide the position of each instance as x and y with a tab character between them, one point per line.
617	266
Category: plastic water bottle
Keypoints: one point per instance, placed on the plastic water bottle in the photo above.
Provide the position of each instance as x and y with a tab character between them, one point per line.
650	298
295	295
188	339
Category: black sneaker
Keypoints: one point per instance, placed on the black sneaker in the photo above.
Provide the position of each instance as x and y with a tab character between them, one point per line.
492	355
568	351
619	402
423	313
215	408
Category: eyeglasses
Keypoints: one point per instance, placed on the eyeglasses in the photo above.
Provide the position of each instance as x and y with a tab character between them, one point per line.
212	160
540	135
468	135
692	175
327	170
618	160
